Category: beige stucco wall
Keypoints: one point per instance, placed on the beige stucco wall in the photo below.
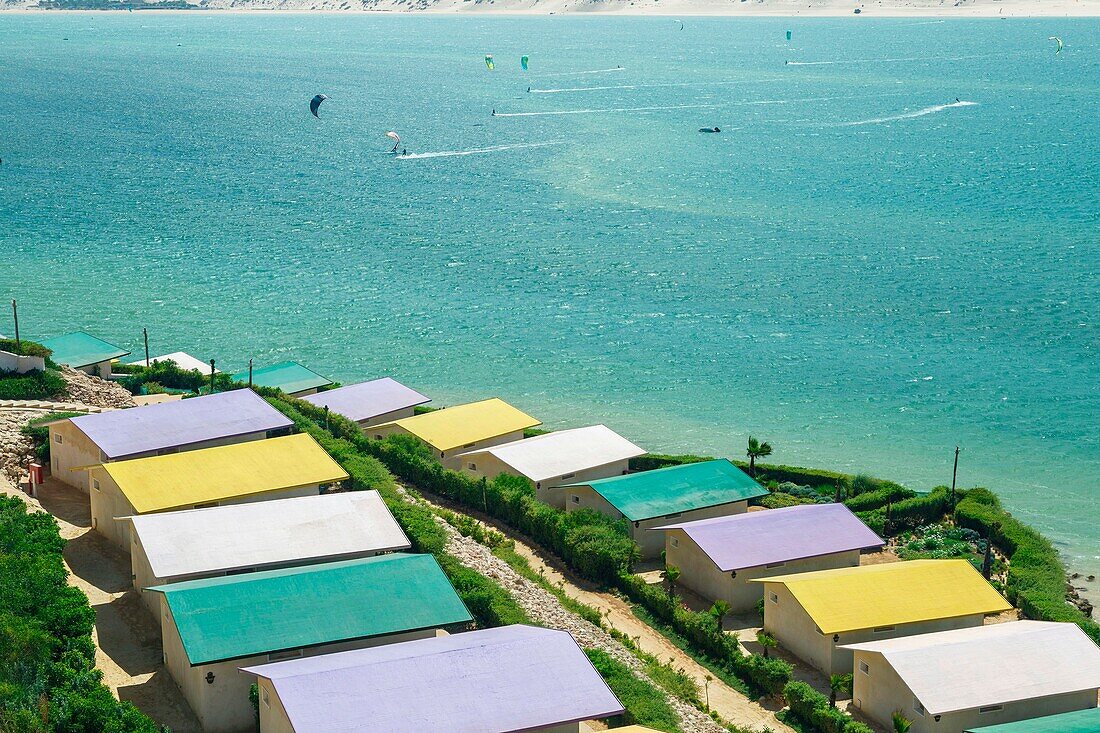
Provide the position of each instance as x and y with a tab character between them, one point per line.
223	706
108	502
702	576
386	417
489	467
788	621
880	691
651	543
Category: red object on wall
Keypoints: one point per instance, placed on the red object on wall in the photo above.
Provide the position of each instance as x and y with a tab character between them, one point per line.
37	474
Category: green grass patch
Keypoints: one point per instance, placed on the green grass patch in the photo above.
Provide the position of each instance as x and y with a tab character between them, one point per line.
32	385
644	703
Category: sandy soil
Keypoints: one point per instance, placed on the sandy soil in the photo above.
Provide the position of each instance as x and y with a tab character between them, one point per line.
807	8
126	636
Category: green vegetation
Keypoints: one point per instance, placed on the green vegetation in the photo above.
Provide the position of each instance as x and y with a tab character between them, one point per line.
24	348
34	385
942	542
1036	581
813	710
644	703
48	679
756	450
39	434
166	376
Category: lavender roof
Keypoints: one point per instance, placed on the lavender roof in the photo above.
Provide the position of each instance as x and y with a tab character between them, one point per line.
368	400
779	535
122	433
511	678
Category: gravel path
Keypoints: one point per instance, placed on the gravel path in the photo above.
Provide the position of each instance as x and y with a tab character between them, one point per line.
544	608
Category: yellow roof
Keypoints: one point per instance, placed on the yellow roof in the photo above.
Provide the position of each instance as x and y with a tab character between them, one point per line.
459	426
226	472
894	593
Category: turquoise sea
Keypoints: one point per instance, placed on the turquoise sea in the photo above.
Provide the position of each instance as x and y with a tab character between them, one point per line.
858	268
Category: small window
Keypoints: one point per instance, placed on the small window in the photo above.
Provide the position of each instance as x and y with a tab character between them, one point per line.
574	498
264	697
883	629
568	475
473	466
990	709
918	708
675	542
773	598
377	436
292	654
865	668
775	564
57	438
95	484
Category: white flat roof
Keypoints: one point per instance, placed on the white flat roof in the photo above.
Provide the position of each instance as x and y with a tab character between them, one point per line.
181	359
992	665
565	451
199	541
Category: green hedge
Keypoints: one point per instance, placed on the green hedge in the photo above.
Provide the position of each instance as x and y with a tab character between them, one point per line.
644	703
31	385
911	513
879	498
764	472
1036	581
813	709
48	679
25	348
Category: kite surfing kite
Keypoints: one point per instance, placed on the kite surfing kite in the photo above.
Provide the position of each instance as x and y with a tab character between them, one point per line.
315	104
523	61
489	61
681	24
1057	40
396	140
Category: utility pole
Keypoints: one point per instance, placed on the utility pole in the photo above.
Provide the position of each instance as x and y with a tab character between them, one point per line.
250	374
145	335
954	474
211	376
15	315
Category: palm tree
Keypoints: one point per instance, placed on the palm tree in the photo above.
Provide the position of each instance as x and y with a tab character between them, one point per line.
901	723
757	450
671	574
719	611
766	642
838	683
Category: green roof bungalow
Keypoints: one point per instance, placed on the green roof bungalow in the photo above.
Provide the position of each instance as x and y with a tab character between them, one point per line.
1080	721
84	352
289	376
212	627
652	498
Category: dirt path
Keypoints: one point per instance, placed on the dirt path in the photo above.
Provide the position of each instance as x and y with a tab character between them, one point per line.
126	636
733	706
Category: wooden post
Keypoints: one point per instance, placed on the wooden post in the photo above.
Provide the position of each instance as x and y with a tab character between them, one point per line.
211	376
326	417
954	474
250	374
15	315
145	335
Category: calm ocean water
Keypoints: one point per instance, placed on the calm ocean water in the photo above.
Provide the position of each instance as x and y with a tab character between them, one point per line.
858	268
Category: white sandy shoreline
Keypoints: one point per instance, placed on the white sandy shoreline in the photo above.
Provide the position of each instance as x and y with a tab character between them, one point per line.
932	9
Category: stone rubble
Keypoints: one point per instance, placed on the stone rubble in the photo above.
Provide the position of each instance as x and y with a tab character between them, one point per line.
544	608
95	392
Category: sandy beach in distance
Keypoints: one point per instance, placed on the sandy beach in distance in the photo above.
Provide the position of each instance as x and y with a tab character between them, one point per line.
749	8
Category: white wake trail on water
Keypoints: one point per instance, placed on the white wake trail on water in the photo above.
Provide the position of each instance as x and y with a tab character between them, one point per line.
887	61
603	110
582	73
477	151
665	85
910	115
581	89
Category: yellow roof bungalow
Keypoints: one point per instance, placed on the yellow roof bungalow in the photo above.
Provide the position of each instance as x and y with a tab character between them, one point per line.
462	428
815	614
294	465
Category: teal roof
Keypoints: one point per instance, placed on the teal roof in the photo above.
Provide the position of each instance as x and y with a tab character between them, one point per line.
1081	721
289	376
80	350
259	613
677	489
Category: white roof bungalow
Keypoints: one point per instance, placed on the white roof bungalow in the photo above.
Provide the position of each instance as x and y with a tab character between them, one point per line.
181	359
555	459
240	538
952	681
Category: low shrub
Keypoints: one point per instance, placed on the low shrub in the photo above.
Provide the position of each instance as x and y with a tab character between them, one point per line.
811	708
644	703
488	602
1036	581
25	348
34	385
166	375
779	500
878	498
48	679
